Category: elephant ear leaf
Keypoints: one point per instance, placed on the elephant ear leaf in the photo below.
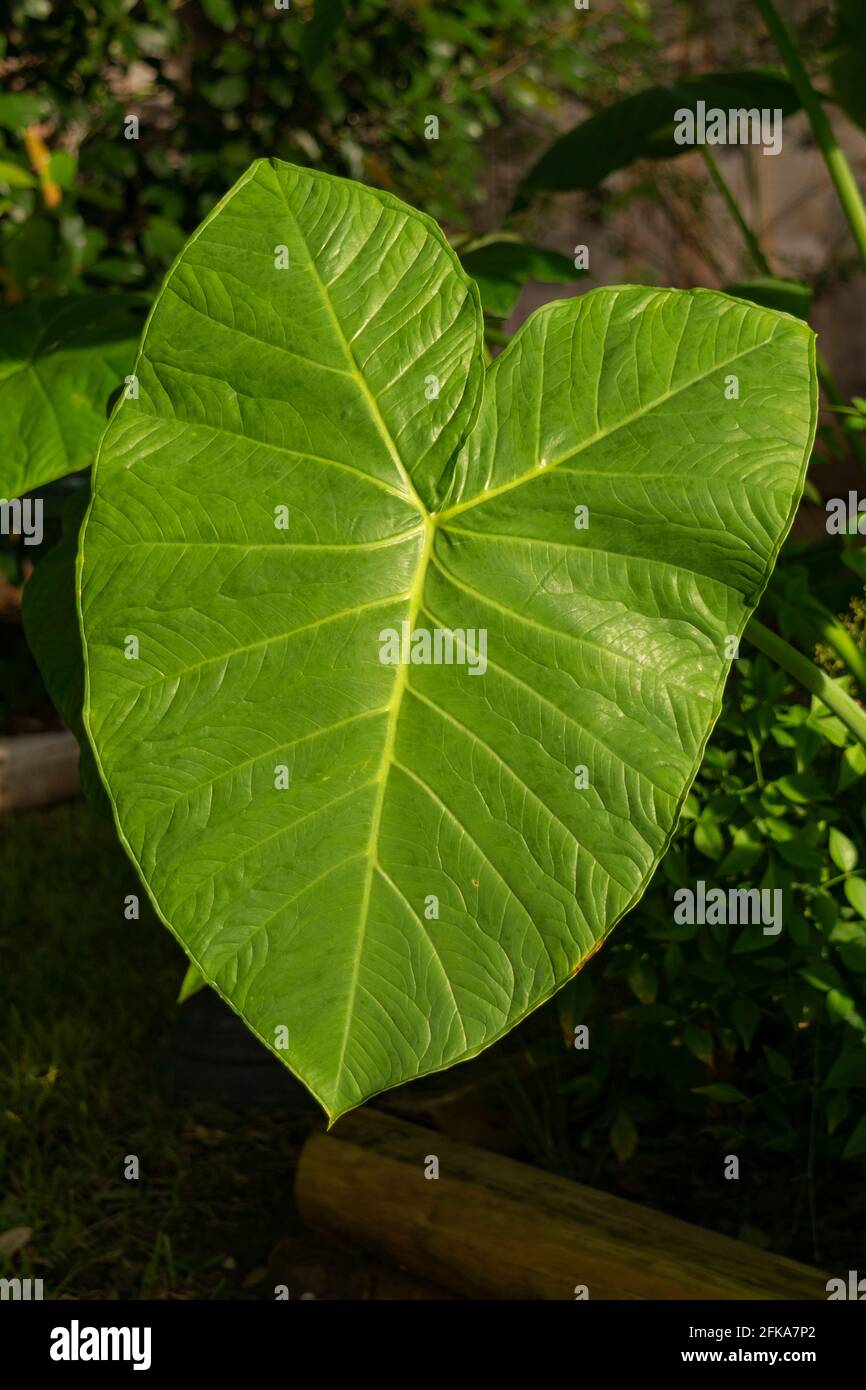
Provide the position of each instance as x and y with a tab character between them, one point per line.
397	674
60	361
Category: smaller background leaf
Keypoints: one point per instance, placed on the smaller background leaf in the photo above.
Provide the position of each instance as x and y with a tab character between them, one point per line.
501	267
50	620
318	32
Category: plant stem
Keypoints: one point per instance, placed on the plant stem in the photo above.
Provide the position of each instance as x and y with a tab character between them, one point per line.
761	262
810	676
820	625
756	759
837	636
837	165
838	878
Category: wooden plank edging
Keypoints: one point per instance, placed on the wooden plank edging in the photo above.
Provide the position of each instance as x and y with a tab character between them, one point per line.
489	1227
37	769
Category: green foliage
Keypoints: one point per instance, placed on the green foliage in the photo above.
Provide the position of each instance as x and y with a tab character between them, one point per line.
501	266
217	84
20	109
757	1038
261	645
60	361
847	650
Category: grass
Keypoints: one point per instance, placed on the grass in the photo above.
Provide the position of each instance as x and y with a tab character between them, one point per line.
87	1000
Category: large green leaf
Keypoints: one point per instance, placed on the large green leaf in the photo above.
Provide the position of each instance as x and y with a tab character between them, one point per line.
60	361
642	127
311	908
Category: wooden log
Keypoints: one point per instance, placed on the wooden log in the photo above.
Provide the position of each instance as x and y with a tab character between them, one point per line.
37	769
489	1227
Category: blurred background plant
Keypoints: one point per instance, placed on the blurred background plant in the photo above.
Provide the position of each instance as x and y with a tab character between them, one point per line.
215	84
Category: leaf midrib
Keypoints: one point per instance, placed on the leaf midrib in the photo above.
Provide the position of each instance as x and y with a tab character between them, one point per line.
387	762
354	370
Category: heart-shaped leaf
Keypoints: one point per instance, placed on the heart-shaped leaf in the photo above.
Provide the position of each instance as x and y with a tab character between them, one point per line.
60	361
383	867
